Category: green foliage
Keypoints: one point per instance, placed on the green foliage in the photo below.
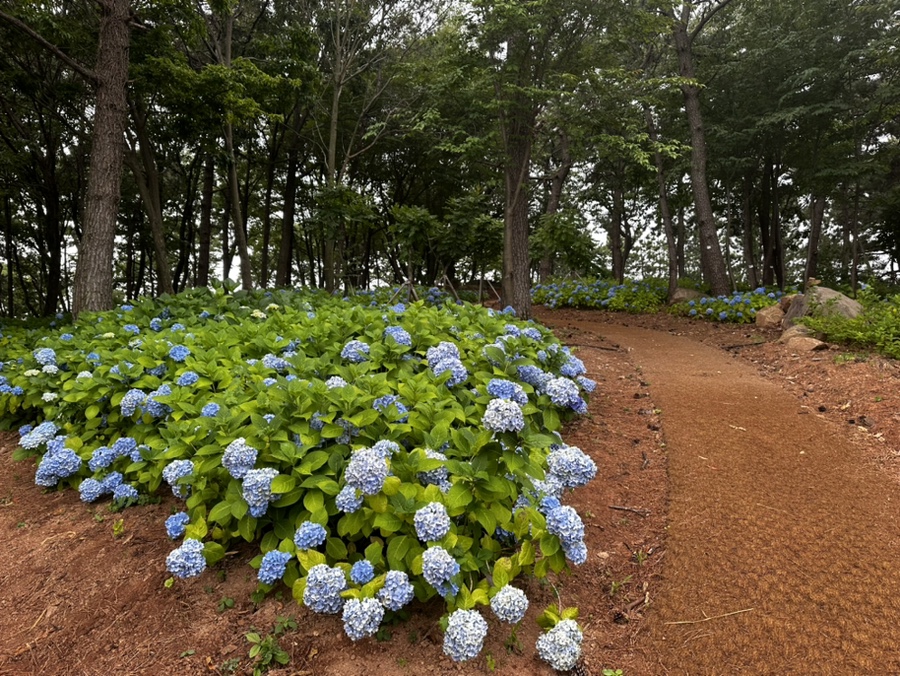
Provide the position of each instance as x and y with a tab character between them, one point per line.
739	308
266	651
877	327
263	359
647	295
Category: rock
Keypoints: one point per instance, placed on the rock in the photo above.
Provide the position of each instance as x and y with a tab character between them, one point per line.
805	344
769	317
785	302
820	301
684	295
797	330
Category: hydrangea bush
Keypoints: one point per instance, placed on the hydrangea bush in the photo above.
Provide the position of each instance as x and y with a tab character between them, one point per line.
647	295
376	451
739	307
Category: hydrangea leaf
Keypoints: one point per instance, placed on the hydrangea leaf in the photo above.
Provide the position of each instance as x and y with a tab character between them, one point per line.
282	484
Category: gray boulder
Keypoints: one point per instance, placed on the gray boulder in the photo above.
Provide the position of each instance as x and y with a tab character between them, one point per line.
769	317
684	295
820	301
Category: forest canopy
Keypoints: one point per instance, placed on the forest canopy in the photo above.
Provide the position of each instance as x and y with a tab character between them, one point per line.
150	147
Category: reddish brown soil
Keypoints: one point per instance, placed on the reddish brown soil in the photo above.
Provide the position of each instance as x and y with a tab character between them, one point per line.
807	540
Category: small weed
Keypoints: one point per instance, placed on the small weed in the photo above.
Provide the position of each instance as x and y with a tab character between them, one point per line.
221	574
877	399
616	585
265	650
99	518
188	653
229	666
640	556
6	500
413	637
849	358
491	663
225	603
513	643
21	524
383	635
283	624
402	662
613	672
118	528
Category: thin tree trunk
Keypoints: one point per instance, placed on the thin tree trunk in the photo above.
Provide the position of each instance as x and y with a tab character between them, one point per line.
94	272
615	233
711	259
205	235
664	210
766	234
816	217
11	298
283	274
681	235
747	223
267	223
777	237
557	182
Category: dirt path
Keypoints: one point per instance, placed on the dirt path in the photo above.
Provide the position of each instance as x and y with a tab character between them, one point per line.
779	534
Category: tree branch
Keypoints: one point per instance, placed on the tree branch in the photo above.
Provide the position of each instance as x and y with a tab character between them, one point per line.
82	70
706	17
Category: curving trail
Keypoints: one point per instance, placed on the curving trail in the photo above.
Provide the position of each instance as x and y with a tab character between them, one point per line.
783	545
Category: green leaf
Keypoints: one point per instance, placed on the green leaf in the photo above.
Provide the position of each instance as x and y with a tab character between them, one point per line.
364	418
458	497
375	553
336	549
397	549
325	484
314	500
389	522
283	484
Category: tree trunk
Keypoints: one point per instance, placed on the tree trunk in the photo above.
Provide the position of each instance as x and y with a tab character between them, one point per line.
267	222
747	223
94	272
711	259
285	251
664	210
816	217
777	239
557	182
680	236
764	210
10	304
615	234
205	234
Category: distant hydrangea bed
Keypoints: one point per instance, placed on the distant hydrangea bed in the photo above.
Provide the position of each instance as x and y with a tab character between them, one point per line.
375	451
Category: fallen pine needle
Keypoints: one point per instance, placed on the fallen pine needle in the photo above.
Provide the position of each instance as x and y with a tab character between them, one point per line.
714	617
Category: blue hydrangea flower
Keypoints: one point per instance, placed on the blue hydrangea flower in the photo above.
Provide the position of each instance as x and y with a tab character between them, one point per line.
438	569
366	471
334	382
179	353
130	403
362	572
111	481
131	328
383	403
56	466
273	566
693	312
561	646
45	356
510	604
723	316
503	415
349	499
177	524
397	590
571	466
101	458
188	378
66	337
576	552
39	436
440	476
257	490
210	410
175	470
270	361
563	392
156	408
458	372
309	535
90	490
177	326
533	333
506	389
442	351
362	618
239	458
432	522
386	448
124	492
399	334
573	367
355	351
25	429
512	330
564	523
534	376
187	560
324	585
586	384
466	630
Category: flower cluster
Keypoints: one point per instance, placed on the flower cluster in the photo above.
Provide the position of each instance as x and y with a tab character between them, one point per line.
239	458
187	379
382	404
257	490
39	436
45	356
270	361
571	466
55	466
355	351
349	499
439	568
397	591
503	415
432	522
273	566
564	392
366	471
309	535
510	604
440	477
362	617
179	353
210	410
187	560
399	334
465	634
506	389
362	572
131	402
177	524
564	523
444	357
334	382
561	646
324	585
176	470
534	376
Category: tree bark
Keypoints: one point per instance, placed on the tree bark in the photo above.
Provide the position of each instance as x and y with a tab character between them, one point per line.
94	272
747	224
11	299
286	248
205	234
664	210
711	259
816	217
554	198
